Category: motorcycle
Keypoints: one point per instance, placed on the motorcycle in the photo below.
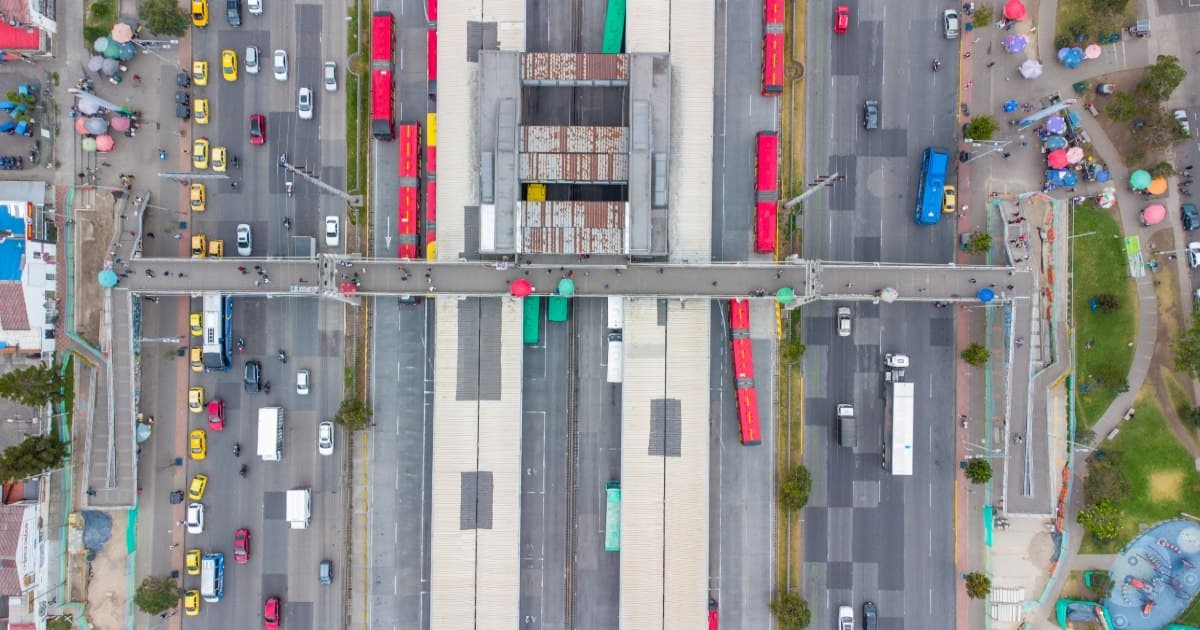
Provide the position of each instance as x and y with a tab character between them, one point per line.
241	344
282	356
236	164
288	186
237	449
937	65
242	472
267	387
162	154
287	223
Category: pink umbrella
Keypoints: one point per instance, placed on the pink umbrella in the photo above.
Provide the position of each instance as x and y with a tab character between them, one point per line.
1057	158
1154	214
79	125
120	123
520	288
1014	10
1092	51
105	143
122	32
1075	155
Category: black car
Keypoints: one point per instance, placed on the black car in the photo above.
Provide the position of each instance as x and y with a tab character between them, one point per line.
1190	216
183	112
871	114
183	80
233	12
869	616
253	377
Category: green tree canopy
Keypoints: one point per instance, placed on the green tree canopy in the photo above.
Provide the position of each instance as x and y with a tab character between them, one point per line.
164	17
36	385
976	354
34	455
1161	79
1108	7
157	594
793	490
981	128
1101	519
1187	350
978	470
1122	107
791	611
1106	303
353	414
1106	480
979	242
978	585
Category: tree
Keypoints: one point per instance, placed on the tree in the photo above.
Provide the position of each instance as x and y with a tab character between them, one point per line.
157	594
1101	520
1106	480
981	128
979	242
1193	416
982	17
1187	350
976	354
164	17
793	350
978	585
1160	79
793	490
353	414
978	470
791	611
34	455
1122	107
1162	169
1106	303
36	385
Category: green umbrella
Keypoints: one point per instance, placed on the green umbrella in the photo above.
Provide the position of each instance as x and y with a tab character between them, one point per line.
566	287
785	295
1139	180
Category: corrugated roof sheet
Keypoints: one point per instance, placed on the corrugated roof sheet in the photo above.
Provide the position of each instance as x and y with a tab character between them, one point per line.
573	227
573	167
458	184
690	213
646	26
563	139
574	67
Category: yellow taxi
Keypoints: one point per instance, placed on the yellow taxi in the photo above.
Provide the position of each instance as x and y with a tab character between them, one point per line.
229	65
200	111
196	359
199	13
950	199
198	197
216	248
200	72
196	324
200	153
191	603
196	489
218	159
199	246
197	444
196	399
191	560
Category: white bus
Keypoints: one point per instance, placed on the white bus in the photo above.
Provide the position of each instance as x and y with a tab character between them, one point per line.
898	434
616	358
616	312
214	351
212	577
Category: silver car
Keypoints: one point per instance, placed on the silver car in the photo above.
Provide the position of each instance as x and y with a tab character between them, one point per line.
280	64
843	321
325	438
333	228
252	60
950	23
329	76
304	103
244	239
302	382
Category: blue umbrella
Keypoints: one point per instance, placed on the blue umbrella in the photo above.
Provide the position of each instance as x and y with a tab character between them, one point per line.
986	295
1056	142
128	51
108	278
1056	124
1015	43
1011	106
1103	176
1070	57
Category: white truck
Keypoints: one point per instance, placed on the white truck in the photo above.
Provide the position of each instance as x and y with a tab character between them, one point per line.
847	427
616	357
299	507
895	364
270	433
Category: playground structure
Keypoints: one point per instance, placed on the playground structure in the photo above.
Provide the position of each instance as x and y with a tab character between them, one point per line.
1154	577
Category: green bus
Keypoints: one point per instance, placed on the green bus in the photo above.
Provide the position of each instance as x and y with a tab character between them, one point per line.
533	318
556	310
614	28
612	516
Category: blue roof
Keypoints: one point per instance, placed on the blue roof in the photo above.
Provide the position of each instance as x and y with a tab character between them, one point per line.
12	249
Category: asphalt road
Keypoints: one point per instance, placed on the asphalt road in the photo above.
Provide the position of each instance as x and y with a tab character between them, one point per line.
870	536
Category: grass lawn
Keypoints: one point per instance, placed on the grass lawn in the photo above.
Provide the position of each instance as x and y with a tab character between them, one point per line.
1076	17
1099	266
1162	478
101	15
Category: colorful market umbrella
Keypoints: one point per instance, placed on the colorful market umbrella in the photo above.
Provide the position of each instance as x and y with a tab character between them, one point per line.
1157	186
1103	176
88	144
1030	69
81	125
1056	142
1139	179
120	123
121	33
108	278
1015	43
785	295
128	51
1070	57
1154	214
1107	199
1074	154
1014	10
87	106
520	288
1092	51
1059	177
986	295
110	67
95	125
1011	105
566	287
105	143
1057	159
95	63
100	45
1056	124
348	289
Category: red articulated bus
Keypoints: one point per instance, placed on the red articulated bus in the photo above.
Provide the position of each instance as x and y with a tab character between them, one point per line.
383	106
431	185
772	49
431	10
743	372
772	16
410	188
383	40
431	42
766	190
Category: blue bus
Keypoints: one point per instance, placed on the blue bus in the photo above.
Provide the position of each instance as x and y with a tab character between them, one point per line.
216	350
933	182
212	577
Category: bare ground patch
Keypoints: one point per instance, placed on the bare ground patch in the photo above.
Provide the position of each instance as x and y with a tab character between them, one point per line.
1166	485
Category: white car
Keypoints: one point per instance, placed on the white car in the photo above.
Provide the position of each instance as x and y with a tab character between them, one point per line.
845	618
329	76
279	64
333	231
245	240
325	438
255	6
1194	254
252	60
195	518
950	23
843	321
1181	117
302	382
304	103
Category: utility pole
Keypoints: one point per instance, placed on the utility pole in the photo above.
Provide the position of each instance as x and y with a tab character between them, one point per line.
822	181
353	200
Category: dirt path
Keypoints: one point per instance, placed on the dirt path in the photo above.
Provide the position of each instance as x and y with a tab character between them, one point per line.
1163	358
108	589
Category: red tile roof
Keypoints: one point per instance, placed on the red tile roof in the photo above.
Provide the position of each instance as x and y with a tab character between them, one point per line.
10	538
13	315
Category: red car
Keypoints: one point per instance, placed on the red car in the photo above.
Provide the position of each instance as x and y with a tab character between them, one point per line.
241	546
271	612
258	129
216	414
841	19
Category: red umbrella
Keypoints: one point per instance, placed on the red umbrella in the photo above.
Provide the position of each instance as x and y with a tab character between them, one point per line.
1154	214
520	288
1057	158
104	143
348	289
79	126
1014	10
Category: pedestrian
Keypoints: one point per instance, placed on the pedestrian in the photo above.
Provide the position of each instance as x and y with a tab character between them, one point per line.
166	273
174	546
973	281
991	63
1010	287
1007	155
660	271
992	285
256	283
242	268
149	234
605	285
967	55
714	283
1189	167
178	235
849	285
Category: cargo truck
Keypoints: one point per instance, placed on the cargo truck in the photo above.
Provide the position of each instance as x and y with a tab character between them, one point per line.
847	427
616	358
299	507
270	433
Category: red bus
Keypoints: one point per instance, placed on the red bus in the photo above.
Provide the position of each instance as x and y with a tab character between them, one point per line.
431	220
773	15
410	188
766	190
383	39
383	112
743	372
772	64
431	42
431	10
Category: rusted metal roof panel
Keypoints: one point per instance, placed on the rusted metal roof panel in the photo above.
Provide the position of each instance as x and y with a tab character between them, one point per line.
574	67
563	139
573	227
573	167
